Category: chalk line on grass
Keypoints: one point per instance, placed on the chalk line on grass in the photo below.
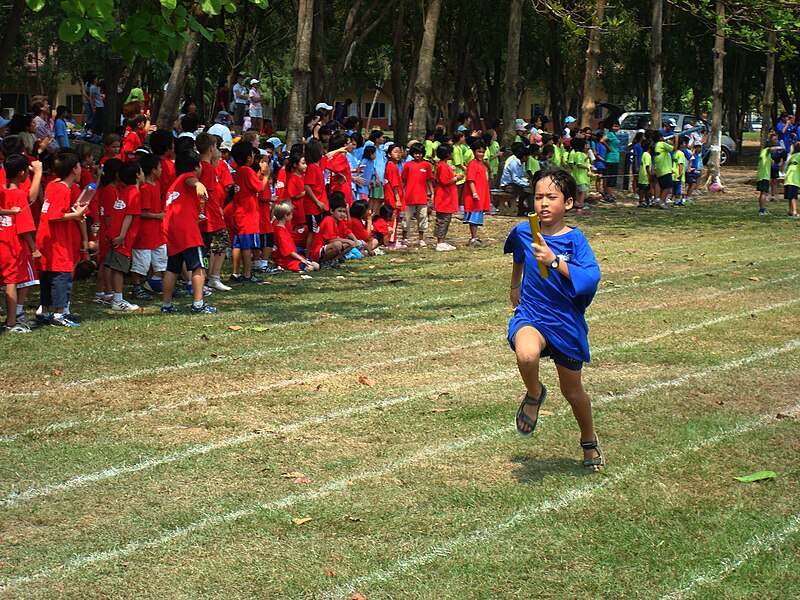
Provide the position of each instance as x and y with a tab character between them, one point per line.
564	500
755	546
342	483
112	472
64	425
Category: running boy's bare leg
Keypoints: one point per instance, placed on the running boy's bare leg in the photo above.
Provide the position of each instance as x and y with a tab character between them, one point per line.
528	344
572	389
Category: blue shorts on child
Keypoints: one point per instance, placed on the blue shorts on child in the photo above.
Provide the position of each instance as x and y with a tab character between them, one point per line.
247	241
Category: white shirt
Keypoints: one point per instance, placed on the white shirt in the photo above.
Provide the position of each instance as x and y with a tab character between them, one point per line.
222	131
238	90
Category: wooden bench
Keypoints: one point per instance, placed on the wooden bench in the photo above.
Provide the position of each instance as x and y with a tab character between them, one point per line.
505	203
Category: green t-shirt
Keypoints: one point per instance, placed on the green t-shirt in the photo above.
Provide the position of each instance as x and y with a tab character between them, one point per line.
532	165
430	151
678	165
792	170
663	152
492	155
764	164
578	160
457	162
467	155
644	168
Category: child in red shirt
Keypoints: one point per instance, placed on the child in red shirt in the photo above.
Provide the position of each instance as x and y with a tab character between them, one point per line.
361	225
57	240
339	168
418	178
135	133
445	199
212	228
103	202
393	193
335	239
476	196
16	169
296	194
112	144
252	188
316	199
186	198
285	253
122	231
150	245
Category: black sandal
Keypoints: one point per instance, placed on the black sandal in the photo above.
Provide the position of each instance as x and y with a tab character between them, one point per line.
596	462
521	416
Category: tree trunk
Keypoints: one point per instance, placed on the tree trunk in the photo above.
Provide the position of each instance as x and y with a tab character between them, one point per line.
301	71
422	89
113	68
402	90
767	100
372	105
170	103
592	62
318	55
13	21
555	77
781	89
511	81
717	94
656	90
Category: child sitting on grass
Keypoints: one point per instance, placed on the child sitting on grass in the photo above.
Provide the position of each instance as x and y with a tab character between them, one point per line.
361	225
335	239
549	312
285	253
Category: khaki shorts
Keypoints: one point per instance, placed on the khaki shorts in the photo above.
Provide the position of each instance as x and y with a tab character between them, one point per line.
117	261
418	212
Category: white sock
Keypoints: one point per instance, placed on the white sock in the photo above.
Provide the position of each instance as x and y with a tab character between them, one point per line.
20	309
197	303
117	297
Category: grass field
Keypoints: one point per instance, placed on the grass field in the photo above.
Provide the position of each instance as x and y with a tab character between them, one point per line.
352	433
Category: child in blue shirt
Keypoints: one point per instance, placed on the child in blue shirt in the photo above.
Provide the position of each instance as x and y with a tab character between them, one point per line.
549	312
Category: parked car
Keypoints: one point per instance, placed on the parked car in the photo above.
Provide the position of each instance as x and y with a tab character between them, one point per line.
629	122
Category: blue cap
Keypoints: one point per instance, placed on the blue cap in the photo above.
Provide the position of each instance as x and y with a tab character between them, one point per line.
4	122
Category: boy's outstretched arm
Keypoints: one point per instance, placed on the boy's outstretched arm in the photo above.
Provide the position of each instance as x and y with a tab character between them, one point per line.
516	283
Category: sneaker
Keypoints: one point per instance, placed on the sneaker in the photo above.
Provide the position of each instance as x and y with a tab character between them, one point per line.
475	243
104	299
378	252
580	211
170	310
73	317
235	278
26	322
762	212
124	306
155	286
190	290
635	196
18	328
180	292
139	293
251	279
792	215
422	244
403	243
678	203
395	246
443	247
216	284
268	270
62	321
774	199
204	310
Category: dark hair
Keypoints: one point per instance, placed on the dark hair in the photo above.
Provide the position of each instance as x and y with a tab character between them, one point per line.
519	150
646	144
64	163
351	122
358	209
444	151
293	161
416	149
184	144
478	145
313	151
563	180
204	142
267	146
369	152
684	139
13	144
385	212
20	122
149	163
337	141
458	136
14	165
391	148
129	171
336	200
577	144
186	162
548	150
487	139
240	152
190	122
110	171
161	141
657	135
61	110
136	121
189	101
375	134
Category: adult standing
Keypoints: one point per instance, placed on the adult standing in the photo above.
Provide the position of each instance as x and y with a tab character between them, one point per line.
40	109
239	103
88	108
256	109
98	104
221	98
611	142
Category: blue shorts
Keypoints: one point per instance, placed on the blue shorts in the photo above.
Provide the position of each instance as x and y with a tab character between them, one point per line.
473	218
677	188
692	177
790	192
247	241
549	350
193	257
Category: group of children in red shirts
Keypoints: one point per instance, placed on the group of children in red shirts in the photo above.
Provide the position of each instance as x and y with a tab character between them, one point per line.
173	210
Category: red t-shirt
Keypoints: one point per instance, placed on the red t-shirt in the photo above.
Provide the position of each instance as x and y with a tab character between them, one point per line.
23	222
315	179
284	246
380	226
445	198
416	176
182	210
167	176
150	235
216	195
329	229
358	229
247	214
56	239
296	186
391	181
132	142
86	177
339	167
11	257
224	174
128	203
280	184
476	172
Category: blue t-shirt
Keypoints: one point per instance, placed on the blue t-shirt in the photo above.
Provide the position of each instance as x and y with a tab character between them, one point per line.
636	156
600	152
613	148
556	305
368	173
60	133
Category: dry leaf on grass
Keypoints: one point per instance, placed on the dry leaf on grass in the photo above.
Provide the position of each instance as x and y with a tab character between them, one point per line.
235	327
301	521
330	573
301	480
292	475
358	597
546	412
456	280
754	278
784	416
438	410
58	372
364	380
397	260
325	315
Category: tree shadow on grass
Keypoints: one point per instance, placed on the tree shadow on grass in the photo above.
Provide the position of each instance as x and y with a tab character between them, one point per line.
532	469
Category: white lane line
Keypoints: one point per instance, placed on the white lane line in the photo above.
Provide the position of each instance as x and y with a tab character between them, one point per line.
209	361
105	418
562	501
342	483
755	546
16	498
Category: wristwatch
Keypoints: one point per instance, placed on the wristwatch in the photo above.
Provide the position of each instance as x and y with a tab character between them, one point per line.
555	263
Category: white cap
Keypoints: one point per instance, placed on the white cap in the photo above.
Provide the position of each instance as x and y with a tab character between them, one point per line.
324	106
672	122
520	124
254	81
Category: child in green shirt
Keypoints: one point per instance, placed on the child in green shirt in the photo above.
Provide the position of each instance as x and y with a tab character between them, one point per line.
764	170
791	184
578	162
